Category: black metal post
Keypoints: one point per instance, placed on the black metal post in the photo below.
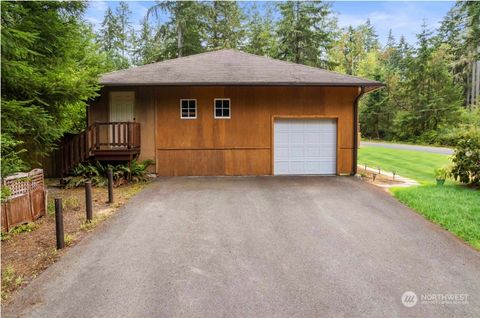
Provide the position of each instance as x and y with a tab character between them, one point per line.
59	224
110	185
88	200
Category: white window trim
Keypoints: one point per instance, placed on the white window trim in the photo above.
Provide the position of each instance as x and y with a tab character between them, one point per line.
229	110
196	111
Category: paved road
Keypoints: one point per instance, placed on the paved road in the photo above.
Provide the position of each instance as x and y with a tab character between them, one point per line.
258	247
439	150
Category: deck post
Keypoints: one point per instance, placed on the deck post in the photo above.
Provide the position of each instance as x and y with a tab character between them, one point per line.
97	136
130	135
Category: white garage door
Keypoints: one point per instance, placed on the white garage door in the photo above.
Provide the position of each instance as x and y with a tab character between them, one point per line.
305	146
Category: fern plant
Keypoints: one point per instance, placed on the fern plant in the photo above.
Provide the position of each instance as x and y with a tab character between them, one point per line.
97	173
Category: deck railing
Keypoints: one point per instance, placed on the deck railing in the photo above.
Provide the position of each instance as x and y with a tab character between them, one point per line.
112	136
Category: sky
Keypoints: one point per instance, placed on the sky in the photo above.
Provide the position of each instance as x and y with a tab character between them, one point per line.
403	17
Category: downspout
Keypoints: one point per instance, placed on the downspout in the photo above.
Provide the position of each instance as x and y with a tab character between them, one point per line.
355	131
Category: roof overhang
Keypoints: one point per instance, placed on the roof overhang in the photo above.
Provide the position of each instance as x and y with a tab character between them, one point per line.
367	88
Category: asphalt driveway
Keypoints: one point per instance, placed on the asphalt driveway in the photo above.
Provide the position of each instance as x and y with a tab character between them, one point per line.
258	247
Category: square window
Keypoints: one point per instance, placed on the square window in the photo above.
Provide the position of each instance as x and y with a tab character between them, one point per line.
222	108
188	108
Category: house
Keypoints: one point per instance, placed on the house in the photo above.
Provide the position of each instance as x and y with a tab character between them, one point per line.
228	113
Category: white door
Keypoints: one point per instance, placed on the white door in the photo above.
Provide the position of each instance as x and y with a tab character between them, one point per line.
121	110
121	106
305	146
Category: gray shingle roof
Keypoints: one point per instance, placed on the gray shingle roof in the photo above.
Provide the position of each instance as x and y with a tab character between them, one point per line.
230	67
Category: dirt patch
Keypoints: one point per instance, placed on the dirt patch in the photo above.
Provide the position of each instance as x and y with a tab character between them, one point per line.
26	254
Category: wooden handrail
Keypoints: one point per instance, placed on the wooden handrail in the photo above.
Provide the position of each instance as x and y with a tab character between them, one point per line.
99	136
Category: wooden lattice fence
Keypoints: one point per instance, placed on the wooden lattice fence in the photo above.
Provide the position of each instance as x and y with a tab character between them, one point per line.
27	200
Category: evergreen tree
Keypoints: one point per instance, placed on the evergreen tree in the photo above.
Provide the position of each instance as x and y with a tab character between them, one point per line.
125	28
261	37
460	29
224	27
353	46
50	68
183	33
368	36
108	37
431	98
306	32
147	48
112	39
378	109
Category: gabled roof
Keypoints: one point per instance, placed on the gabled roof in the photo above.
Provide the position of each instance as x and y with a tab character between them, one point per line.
230	67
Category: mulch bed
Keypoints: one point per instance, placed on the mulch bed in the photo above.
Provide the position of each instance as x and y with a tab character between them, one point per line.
25	255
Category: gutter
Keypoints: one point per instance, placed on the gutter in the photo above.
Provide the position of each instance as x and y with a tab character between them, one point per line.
375	85
355	131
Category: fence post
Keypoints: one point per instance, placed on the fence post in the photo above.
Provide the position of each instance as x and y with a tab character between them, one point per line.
59	224
110	185
88	200
30	199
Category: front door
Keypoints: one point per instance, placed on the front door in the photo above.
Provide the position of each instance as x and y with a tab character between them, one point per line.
121	111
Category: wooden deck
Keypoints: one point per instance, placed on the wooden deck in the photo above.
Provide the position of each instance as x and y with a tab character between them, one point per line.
102	141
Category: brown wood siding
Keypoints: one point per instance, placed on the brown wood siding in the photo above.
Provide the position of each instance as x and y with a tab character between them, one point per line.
241	145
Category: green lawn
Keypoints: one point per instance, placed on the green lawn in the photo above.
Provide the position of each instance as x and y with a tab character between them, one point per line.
415	165
453	206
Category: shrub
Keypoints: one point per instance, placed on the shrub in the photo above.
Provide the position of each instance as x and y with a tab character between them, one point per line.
97	173
5	192
138	170
442	173
84	172
466	161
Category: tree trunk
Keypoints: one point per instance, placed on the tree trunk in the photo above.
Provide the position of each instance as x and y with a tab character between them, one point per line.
179	39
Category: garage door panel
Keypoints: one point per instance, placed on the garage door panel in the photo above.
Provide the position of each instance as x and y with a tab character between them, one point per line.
317	167
296	137
281	137
296	167
296	125
319	152
281	152
282	167
313	151
305	146
312	137
296	152
328	137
